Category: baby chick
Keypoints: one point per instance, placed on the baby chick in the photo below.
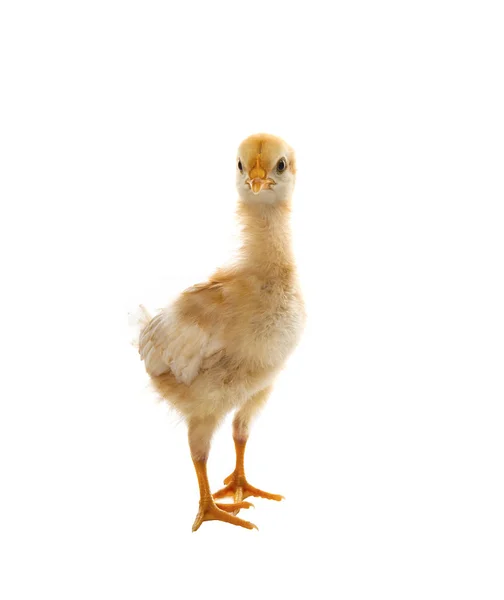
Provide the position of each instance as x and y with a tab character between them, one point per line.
221	344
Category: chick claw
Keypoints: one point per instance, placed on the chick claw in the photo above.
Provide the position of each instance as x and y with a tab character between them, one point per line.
211	511
240	488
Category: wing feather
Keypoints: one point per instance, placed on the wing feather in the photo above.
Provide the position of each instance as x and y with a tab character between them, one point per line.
170	342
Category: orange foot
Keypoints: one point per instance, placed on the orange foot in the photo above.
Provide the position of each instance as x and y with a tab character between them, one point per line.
210	511
240	488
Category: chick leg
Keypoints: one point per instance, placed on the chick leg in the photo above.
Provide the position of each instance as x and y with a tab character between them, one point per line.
236	483
200	434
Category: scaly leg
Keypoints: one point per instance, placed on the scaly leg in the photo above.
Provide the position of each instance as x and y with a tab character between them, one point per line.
237	484
200	433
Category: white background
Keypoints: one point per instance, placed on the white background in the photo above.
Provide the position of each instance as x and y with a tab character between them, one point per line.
119	127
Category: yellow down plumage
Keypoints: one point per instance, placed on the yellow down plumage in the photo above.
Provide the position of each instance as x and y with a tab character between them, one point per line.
220	345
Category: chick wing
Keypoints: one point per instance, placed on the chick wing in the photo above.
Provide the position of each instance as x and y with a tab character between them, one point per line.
183	338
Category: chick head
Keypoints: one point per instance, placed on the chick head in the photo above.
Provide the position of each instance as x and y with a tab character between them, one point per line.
265	169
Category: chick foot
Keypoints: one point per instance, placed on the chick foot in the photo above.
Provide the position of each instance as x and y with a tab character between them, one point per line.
238	487
210	511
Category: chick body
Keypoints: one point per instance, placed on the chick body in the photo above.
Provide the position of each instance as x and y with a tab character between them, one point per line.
220	345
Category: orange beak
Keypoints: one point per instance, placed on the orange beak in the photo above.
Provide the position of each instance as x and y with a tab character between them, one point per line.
257	178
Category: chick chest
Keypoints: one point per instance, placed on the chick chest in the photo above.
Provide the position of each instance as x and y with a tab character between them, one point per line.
271	331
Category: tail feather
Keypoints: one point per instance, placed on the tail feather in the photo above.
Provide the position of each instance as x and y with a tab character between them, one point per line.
139	319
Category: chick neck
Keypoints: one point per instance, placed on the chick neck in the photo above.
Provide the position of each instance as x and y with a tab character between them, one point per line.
266	235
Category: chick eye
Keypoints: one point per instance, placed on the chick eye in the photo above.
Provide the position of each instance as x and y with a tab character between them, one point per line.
281	165
240	166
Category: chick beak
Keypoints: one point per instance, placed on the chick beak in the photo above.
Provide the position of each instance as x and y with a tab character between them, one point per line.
257	178
257	184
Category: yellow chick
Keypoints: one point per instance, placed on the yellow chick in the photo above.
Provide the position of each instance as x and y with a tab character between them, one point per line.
220	345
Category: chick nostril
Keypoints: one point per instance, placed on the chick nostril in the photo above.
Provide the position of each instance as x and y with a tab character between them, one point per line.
257	173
